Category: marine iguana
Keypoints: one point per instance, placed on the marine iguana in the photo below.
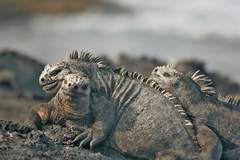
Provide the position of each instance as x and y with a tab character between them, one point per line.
145	125
64	104
72	107
220	116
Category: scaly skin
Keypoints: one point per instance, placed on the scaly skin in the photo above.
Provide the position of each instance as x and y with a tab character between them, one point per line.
232	100
51	77
222	117
72	107
64	104
52	74
210	144
144	123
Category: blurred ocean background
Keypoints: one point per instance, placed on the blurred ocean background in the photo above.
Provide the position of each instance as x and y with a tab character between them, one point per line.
167	29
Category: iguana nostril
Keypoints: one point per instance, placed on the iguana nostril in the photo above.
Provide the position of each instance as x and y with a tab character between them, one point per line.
75	87
69	84
42	79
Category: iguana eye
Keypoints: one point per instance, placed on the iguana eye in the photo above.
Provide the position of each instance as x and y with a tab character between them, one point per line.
165	74
175	74
55	72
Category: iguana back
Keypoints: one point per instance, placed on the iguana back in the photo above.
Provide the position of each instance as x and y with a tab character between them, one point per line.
221	116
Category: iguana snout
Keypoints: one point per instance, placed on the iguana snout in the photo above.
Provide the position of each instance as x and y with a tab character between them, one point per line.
76	85
51	77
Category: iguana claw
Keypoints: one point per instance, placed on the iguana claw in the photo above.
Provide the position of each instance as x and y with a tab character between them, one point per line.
84	138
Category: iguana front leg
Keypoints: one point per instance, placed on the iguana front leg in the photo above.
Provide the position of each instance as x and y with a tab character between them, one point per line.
89	136
38	116
103	112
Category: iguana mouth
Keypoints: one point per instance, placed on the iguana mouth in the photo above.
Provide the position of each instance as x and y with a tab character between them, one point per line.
73	93
47	83
50	86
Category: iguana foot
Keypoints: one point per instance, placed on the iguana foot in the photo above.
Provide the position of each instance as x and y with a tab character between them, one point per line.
32	125
73	126
74	130
88	137
84	138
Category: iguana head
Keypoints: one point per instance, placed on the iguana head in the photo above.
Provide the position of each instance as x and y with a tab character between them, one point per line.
166	76
74	95
189	88
176	82
52	75
76	85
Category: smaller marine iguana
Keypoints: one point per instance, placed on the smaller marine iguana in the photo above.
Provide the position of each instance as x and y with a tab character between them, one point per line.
72	107
220	116
144	121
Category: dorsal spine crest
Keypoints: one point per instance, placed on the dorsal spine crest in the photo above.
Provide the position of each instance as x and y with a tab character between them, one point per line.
235	101
85	56
204	82
153	84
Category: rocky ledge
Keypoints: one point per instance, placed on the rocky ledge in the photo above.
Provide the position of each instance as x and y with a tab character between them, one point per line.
21	142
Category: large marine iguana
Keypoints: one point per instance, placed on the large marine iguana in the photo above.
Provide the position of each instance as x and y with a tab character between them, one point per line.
144	123
197	95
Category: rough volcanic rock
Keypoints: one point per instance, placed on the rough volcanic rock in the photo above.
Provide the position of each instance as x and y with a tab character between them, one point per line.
21	142
19	74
